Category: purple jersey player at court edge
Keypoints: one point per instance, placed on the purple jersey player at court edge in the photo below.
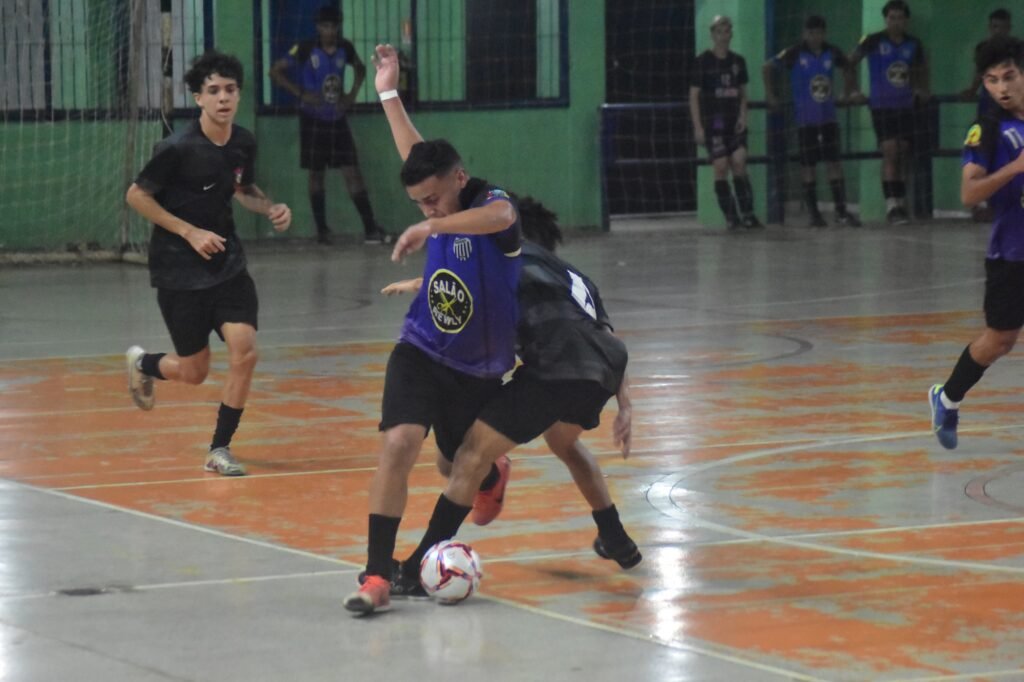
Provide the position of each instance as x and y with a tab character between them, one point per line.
993	169
458	338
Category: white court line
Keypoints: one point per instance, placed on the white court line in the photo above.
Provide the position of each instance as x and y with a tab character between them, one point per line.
659	495
1018	673
530	609
128	589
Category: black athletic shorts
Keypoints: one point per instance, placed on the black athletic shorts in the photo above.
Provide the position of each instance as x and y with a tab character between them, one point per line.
818	143
420	390
526	406
325	144
893	124
191	315
1004	294
723	143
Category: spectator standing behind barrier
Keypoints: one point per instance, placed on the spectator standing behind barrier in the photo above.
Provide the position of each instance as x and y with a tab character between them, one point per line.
718	110
324	135
899	80
810	65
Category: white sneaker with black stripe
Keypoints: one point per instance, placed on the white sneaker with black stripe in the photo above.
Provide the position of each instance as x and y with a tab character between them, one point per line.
140	386
221	461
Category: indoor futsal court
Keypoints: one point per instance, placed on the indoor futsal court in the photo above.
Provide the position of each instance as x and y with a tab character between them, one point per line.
797	517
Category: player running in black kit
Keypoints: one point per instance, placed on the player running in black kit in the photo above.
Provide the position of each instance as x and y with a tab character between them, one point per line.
718	110
196	261
572	365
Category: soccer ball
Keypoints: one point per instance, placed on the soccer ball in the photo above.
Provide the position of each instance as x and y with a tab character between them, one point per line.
450	571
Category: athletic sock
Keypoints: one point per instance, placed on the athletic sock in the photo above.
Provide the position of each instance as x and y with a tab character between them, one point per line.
608	525
725	200
838	195
492	478
318	201
811	197
444	524
744	195
380	544
362	202
227	423
149	364
966	373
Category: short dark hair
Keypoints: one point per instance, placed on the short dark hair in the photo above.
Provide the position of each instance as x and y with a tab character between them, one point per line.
815	21
540	224
1001	14
427	159
996	51
213	62
896	5
328	14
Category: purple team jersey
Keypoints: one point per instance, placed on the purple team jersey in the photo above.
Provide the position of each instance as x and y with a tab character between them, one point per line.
994	141
466	312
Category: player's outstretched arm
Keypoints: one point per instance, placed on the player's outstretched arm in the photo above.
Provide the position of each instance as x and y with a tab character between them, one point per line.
405	286
253	199
203	242
494	217
402	130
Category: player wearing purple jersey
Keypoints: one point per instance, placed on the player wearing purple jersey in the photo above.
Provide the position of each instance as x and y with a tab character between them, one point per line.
899	77
458	338
317	79
993	169
811	67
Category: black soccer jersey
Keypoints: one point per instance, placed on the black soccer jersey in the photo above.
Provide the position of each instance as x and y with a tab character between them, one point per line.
719	81
564	332
194	179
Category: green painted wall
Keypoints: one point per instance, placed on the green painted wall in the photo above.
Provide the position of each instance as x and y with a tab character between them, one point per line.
64	182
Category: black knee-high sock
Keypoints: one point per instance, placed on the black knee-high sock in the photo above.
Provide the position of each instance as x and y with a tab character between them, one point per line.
725	200
888	189
966	373
318	201
227	424
608	525
811	197
362	202
380	545
838	195
744	195
491	479
149	363
444	524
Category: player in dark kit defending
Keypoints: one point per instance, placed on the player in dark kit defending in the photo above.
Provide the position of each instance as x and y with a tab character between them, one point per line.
459	334
196	261
572	365
993	169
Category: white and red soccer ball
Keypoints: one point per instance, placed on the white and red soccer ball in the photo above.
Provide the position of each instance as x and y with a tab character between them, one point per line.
450	571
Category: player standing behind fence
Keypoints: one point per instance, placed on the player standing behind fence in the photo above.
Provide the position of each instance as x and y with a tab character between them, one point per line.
324	135
811	65
899	77
718	111
196	261
993	169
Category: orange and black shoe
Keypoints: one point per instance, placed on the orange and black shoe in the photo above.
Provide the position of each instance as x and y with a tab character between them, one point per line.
373	596
488	503
624	552
405	582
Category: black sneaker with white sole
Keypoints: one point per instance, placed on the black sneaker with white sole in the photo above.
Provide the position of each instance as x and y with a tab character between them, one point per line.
624	551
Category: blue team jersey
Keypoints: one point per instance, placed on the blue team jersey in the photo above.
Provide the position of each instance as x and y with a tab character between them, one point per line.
322	73
811	78
994	141
889	66
466	312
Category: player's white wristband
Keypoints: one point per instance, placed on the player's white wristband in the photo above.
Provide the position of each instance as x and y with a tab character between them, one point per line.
388	94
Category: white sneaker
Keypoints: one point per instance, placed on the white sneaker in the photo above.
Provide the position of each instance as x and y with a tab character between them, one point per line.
140	386
221	461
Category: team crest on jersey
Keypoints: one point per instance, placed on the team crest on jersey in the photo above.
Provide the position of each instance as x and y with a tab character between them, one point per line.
735	69
821	88
449	300
884	48
898	74
462	247
340	63
238	175
828	64
497	194
314	60
332	88
973	138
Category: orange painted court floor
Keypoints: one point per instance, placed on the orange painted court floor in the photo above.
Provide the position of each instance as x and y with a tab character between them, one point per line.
798	519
